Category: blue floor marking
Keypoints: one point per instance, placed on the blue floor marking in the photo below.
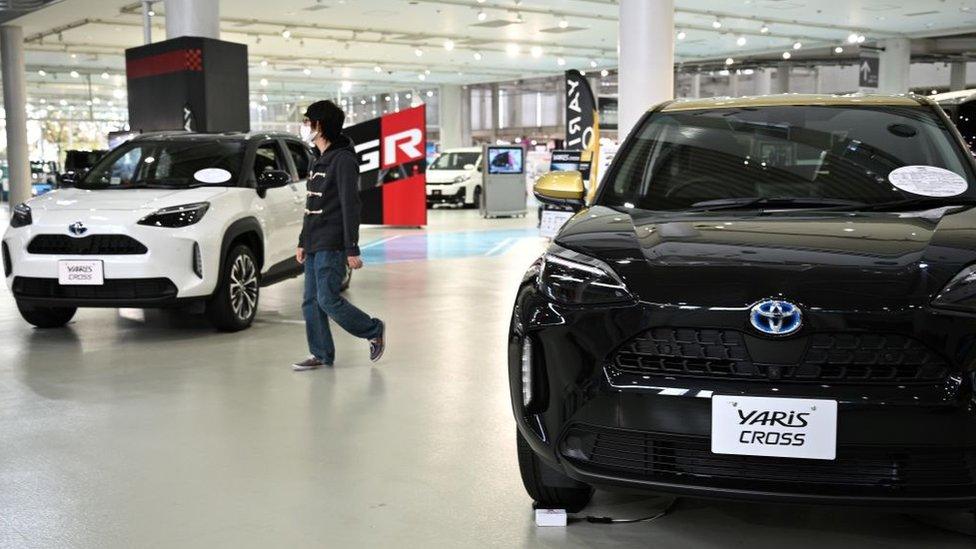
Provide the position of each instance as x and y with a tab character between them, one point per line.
443	245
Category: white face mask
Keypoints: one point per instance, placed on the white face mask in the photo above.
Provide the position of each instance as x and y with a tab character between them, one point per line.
307	134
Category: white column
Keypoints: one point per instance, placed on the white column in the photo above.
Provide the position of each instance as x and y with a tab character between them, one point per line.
146	22
817	81
646	77
696	85
783	78
450	116
15	106
465	115
895	62
733	84
957	76
192	18
764	81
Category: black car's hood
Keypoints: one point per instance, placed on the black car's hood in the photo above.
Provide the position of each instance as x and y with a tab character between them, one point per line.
830	260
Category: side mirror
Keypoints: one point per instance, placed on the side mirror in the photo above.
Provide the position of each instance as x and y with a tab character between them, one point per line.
561	189
273	179
72	178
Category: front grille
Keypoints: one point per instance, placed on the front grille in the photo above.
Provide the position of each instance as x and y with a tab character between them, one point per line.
688	460
113	289
822	358
96	244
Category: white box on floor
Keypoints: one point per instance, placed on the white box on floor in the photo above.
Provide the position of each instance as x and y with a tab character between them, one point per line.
550	517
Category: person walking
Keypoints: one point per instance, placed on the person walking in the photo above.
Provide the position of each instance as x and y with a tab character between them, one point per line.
329	241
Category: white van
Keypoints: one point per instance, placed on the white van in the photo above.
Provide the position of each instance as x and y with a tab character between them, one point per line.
455	178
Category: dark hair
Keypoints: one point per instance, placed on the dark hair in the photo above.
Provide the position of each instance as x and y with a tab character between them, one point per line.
327	117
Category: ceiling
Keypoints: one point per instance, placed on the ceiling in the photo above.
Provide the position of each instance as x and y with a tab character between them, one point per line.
318	46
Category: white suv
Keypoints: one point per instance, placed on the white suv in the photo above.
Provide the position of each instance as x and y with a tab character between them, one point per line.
164	220
454	177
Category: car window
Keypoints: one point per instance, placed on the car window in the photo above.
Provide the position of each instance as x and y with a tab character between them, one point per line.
169	164
842	153
301	158
268	158
455	160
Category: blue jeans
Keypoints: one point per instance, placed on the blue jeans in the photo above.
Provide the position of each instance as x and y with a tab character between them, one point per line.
324	272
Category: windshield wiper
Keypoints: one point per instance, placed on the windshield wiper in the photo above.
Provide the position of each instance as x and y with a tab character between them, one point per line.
914	203
766	202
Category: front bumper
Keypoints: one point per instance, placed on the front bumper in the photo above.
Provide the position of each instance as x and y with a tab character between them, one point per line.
163	275
905	445
446	194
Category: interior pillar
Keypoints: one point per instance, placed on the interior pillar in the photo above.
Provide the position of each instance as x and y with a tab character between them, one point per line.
15	107
646	75
192	18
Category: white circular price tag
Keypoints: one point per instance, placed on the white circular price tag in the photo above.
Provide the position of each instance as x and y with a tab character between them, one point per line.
928	181
212	175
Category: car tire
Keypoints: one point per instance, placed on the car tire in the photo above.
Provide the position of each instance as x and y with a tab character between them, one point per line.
233	306
346	280
46	317
476	199
550	489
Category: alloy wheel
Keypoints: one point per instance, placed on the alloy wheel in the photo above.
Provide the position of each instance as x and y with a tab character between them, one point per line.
243	287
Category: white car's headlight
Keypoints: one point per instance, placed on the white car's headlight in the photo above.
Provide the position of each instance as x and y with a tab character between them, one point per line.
577	279
462	178
176	216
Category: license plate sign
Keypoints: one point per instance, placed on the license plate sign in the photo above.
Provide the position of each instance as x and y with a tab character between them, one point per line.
80	272
774	427
552	221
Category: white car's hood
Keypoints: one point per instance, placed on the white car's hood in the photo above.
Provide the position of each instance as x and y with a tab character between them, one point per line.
444	176
121	199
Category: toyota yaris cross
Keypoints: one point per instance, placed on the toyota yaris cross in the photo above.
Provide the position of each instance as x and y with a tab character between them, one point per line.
769	298
165	220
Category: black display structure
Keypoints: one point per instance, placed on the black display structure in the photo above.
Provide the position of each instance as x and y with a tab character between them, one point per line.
188	83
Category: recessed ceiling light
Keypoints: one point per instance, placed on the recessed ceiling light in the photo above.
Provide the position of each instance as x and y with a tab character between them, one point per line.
787	55
764	29
852	38
682	35
377	68
307	71
286	34
42	72
740	41
797	45
482	15
421	76
716	24
264	82
74	74
729	61
593	63
418	52
563	23
449	44
536	51
560	61
477	56
604	73
838	49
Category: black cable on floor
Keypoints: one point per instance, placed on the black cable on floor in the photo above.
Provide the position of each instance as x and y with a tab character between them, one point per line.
610	520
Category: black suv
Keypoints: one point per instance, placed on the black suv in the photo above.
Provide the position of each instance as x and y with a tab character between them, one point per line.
770	298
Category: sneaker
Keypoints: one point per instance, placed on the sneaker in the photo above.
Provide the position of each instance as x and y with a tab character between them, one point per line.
310	363
378	344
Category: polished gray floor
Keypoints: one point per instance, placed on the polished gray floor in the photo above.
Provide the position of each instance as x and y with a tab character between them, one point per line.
149	430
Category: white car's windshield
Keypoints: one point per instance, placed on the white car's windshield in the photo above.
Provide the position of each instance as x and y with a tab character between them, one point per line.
455	161
164	164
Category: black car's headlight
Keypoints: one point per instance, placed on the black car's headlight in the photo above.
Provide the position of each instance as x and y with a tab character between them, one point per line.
176	216
960	292
22	216
577	279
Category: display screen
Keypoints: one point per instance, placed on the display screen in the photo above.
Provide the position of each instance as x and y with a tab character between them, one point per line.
569	161
506	160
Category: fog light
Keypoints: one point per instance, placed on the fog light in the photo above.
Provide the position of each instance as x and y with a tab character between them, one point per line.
197	260
526	372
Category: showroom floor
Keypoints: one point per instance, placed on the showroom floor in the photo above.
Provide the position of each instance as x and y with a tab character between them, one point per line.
149	430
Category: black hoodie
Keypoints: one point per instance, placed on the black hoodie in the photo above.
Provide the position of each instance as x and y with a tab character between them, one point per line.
332	204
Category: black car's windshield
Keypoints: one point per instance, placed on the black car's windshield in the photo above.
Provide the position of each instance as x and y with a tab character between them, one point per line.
165	164
455	161
790	157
